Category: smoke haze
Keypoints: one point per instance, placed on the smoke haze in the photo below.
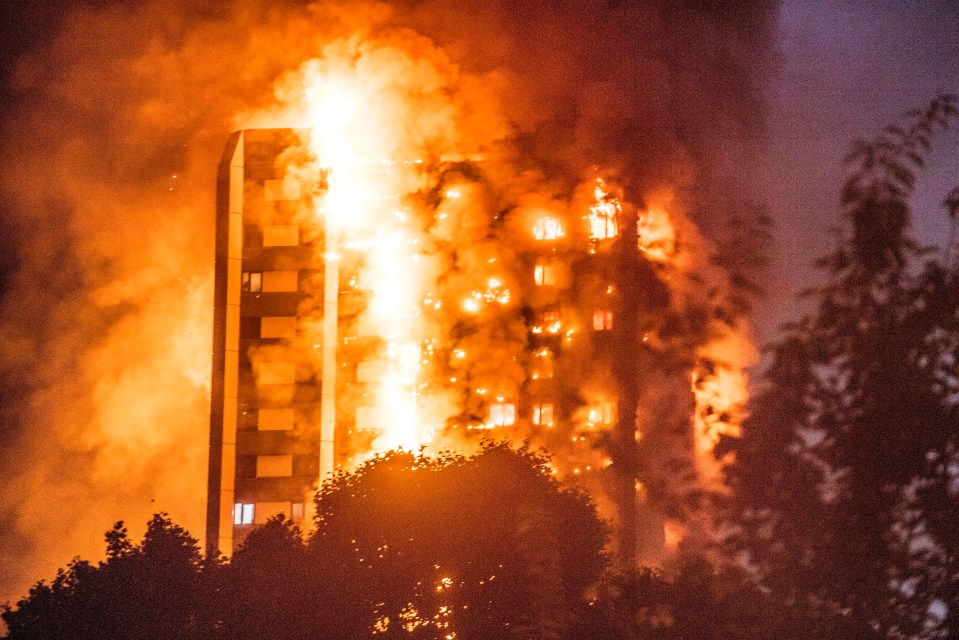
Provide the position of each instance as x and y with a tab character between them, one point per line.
110	146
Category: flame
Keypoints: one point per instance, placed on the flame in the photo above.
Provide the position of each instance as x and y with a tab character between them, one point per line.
656	231
720	391
604	213
363	211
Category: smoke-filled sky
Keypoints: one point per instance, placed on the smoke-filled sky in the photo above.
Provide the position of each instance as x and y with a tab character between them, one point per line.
848	69
115	113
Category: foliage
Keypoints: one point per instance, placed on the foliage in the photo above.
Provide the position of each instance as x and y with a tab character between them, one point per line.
846	473
143	591
473	541
407	546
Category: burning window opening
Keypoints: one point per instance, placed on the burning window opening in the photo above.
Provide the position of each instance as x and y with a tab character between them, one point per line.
604	214
547	322
501	414
600	414
495	292
542	366
547	228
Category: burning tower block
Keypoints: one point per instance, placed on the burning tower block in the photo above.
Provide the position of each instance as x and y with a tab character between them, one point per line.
525	323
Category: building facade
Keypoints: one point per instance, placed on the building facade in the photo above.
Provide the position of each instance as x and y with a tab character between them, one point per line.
564	307
265	450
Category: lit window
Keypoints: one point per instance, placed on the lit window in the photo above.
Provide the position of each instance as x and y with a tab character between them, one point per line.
281	235
547	322
547	228
602	320
502	414
296	511
252	281
545	273
274	466
280	281
602	221
603	214
601	413
243	513
543	414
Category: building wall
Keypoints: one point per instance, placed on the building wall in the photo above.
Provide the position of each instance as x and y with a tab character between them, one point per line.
577	392
264	453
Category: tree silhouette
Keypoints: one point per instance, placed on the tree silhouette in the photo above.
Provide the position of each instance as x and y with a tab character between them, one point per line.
846	473
408	546
487	546
145	591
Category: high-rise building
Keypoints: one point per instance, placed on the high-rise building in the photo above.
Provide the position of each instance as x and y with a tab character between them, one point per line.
292	374
265	449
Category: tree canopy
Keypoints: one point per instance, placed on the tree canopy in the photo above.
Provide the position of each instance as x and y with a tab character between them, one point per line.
406	546
846	490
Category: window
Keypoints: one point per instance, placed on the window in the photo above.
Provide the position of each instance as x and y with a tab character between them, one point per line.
603	214
602	220
280	281
547	322
281	235
277	327
249	327
252	235
274	466
242	513
543	414
544	274
296	511
602	320
547	228
502	414
601	413
252	281
266	510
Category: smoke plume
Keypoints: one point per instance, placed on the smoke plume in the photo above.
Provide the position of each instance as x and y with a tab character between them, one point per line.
109	152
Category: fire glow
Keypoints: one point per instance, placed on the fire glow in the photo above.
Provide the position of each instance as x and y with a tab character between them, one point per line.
122	188
469	303
374	224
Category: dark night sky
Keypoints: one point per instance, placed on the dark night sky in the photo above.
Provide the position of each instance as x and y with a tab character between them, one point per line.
848	69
